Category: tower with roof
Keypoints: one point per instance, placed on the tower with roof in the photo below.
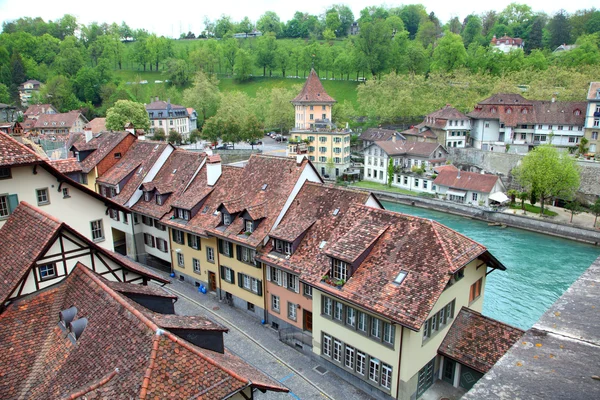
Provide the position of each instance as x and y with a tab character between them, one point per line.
314	133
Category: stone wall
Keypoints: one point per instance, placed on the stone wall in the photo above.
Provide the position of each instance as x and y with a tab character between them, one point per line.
502	164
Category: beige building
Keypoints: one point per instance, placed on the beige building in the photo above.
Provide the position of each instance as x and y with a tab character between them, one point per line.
315	135
592	118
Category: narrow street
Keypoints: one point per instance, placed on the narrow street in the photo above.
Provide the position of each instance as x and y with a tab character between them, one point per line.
259	345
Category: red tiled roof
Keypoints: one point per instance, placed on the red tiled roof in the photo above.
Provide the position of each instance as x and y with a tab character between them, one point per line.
313	91
67	165
151	363
147	290
423	149
441	168
172	179
478	341
593	90
448	112
427	133
97	125
142	155
378	134
163	105
62	120
25	236
38	109
102	144
467	181
13	153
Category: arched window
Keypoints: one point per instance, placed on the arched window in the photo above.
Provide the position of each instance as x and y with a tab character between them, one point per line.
509	110
493	110
524	111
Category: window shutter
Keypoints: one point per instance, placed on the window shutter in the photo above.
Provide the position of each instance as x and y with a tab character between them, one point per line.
239	252
230	249
240	279
259	285
153	241
13	202
189	235
220	245
222	272
297	282
174	236
284	277
268	273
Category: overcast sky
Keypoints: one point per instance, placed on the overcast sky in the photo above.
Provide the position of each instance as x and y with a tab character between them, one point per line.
172	18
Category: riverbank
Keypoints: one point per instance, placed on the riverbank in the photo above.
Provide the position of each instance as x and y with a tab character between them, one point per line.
515	220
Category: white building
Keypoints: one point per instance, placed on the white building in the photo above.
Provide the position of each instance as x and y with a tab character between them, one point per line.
467	187
592	118
166	117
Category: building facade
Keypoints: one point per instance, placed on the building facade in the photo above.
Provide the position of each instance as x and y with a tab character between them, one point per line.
167	117
451	127
592	118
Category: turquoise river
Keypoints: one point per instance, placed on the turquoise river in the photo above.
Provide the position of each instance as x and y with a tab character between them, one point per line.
539	268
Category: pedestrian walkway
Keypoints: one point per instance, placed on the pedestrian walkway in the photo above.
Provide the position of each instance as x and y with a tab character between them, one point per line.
259	345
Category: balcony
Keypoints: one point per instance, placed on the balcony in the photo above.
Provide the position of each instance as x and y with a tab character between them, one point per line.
297	148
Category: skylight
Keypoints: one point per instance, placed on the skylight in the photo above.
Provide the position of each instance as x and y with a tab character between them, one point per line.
264	186
175	170
336	211
400	278
205	210
323	243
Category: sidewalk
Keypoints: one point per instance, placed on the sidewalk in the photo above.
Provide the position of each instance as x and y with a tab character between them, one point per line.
329	385
582	220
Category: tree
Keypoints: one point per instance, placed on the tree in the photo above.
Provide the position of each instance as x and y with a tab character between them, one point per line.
175	137
390	172
560	29
245	26
535	37
472	31
275	106
412	15
59	91
231	121
70	58
595	208
223	26
523	196
266	48
178	72
344	16
195	136
549	173
4	94
243	65
125	111
450	53
159	135
204	95
582	146
269	22
574	207
373	45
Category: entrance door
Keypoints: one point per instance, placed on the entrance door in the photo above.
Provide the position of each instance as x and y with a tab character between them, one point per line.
212	282
307	318
425	378
449	367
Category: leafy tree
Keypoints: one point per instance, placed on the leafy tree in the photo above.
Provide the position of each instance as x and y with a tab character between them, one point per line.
195	136
125	111
595	208
59	91
231	121
523	196
488	20
4	94
269	22
575	208
243	65
275	108
159	135
412	15
592	25
582	146
535	36
223	26
390	172
373	45
204	95
245	26
175	137
344	16
17	77
328	34
229	47
549	173
70	58
450	53
533	197
178	72
472	31
87	85
332	21
560	29
266	48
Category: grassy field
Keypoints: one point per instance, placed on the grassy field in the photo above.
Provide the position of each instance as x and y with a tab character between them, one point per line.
339	90
532	209
385	188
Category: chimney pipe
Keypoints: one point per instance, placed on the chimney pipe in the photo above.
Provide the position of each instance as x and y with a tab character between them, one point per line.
213	169
458	176
88	134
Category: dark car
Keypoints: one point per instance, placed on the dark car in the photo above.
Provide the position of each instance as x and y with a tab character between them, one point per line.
280	139
256	142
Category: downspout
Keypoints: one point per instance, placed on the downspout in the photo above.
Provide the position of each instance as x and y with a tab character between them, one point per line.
218	267
264	273
399	362
133	235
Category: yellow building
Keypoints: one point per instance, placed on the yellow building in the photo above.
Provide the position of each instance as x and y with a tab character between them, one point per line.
592	119
314	134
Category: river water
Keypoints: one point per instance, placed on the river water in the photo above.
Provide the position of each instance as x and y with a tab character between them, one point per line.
539	268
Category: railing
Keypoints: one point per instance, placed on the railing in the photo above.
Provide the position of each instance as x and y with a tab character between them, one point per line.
292	337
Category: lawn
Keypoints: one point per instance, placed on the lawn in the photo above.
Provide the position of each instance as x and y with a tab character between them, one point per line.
384	188
532	209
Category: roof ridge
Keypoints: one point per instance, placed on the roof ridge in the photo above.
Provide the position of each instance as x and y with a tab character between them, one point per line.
35	210
93	386
151	364
441	243
23	146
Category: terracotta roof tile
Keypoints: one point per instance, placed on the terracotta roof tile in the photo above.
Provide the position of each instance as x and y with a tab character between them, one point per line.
38	109
378	134
423	149
172	179
67	165
313	91
448	112
102	144
62	120
139	289
414	131
593	91
151	363
97	125
13	153
467	180
477	341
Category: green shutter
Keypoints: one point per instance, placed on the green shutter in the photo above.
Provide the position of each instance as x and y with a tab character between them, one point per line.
260	290
220	245
189	235
240	280
230	249
232	278
222	272
238	252
13	202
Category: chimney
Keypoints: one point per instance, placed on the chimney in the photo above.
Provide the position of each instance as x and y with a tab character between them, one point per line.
458	176
213	169
130	128
88	133
394	138
299	158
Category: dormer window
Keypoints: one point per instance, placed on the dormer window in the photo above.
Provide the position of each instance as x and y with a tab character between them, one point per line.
509	110
159	200
283	247
226	218
493	110
577	112
182	214
339	270
524	111
249	225
147	196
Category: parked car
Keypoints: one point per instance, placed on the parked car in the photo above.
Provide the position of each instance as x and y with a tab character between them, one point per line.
225	146
280	138
256	142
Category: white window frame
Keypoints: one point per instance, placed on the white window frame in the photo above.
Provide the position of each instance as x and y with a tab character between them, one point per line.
307	290
292	314
196	265
210	254
337	350
275	303
43	196
386	376
374	367
97	230
180	260
327	306
326	345
48	273
361	362
340	270
349	357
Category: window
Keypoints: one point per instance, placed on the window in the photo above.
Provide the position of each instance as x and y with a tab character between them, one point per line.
226	248
597	122
338	311
125	218
312	117
159	200
388	333
5	173
337	150
249	225
147	196
162	245
283	247
406	180
193	241
180	260
572	140
386	376
83	178
416	182
323	149
323	159
246	255
594	135
97	231
311	108
147	220
327	306
292	311
474	197
362	322
487	124
340	270
42	196
292	282
210	254
307	290
361	360
65	192
182	214
226	218
274	275
374	370
350	316
148	240
228	274
275	303
246	281
349	357
376	328
326	345
438	321
47	271
560	128
337	350
475	291
117	155
425	184
178	236
322	139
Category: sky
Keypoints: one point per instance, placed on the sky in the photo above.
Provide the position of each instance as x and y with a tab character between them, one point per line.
170	19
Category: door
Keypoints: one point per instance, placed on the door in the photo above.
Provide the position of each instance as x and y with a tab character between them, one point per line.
448	373
425	377
212	282
307	318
